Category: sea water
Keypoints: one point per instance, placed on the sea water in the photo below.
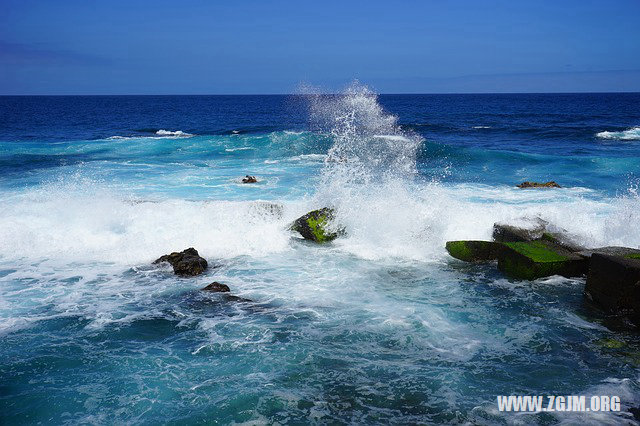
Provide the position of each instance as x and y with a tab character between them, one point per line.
379	326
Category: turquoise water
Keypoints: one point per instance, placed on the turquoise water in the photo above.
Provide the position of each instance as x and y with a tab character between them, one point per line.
380	326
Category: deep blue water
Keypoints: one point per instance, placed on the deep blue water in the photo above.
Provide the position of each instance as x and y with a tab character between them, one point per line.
380	326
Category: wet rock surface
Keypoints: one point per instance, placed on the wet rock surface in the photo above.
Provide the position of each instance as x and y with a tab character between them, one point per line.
185	263
474	251
316	226
613	283
550	184
216	287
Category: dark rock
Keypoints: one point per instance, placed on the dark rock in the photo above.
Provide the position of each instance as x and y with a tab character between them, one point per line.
508	233
611	251
249	179
316	226
563	240
613	283
186	262
537	259
528	184
217	287
474	251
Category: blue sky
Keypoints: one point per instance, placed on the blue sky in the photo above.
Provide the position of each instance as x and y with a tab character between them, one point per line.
245	47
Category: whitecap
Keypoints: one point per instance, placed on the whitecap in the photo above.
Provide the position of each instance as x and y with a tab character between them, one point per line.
632	134
176	133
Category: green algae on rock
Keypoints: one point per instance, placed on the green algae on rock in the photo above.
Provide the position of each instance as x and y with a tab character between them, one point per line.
316	226
537	259
474	251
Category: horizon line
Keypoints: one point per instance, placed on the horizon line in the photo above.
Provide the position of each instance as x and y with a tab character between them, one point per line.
313	94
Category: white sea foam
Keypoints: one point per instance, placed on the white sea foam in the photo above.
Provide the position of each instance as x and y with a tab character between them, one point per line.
176	133
632	134
481	127
242	148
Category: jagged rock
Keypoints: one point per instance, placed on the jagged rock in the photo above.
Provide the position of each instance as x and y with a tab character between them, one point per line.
537	259
613	283
528	184
249	179
186	262
533	230
316	226
474	251
217	287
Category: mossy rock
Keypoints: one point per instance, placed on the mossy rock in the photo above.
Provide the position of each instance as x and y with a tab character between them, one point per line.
537	259
474	251
611	343
563	240
316	226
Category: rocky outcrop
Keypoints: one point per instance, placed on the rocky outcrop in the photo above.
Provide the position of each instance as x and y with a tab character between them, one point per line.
216	287
529	231
187	262
528	184
537	259
249	179
317	226
613	283
474	251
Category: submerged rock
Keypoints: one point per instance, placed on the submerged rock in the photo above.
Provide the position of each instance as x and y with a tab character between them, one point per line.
550	184
316	226
186	262
613	283
474	251
217	287
249	179
537	259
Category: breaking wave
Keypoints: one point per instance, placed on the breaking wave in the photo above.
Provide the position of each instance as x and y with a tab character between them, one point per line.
632	134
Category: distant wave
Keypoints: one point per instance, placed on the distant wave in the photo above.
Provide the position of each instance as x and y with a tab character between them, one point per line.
632	134
242	148
481	127
159	134
177	133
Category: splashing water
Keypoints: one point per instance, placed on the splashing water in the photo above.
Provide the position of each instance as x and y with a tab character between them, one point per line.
367	141
379	326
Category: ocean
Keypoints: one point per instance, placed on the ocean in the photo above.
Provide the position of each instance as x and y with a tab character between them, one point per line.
380	326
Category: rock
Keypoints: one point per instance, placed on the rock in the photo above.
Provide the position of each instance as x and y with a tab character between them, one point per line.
533	230
186	262
528	184
316	226
563	240
613	283
217	287
611	251
537	259
474	251
249	179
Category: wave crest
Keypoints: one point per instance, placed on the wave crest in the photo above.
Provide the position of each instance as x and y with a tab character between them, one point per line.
632	134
